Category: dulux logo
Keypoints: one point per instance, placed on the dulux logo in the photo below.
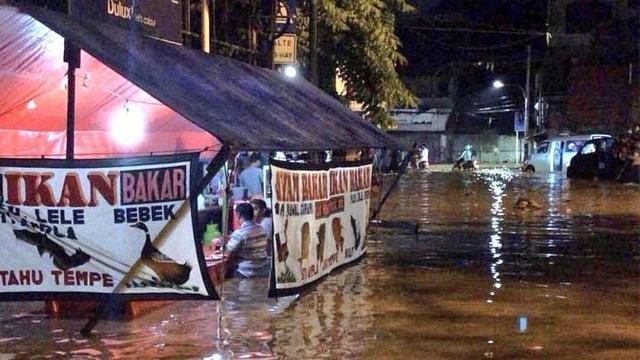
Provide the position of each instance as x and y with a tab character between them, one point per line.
118	9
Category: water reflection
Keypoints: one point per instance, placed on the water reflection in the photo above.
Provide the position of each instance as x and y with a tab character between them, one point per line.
563	283
496	186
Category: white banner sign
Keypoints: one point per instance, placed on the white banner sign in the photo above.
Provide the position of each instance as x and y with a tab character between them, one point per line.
320	217
97	228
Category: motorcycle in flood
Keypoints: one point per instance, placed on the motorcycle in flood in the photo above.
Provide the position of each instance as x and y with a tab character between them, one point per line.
465	165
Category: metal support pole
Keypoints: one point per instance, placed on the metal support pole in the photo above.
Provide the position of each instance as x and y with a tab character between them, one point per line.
527	142
71	111
517	149
71	57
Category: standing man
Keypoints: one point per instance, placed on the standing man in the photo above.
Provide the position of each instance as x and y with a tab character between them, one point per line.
251	177
249	245
423	162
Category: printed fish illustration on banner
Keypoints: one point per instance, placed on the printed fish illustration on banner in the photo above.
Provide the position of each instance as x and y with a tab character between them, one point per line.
100	228
320	215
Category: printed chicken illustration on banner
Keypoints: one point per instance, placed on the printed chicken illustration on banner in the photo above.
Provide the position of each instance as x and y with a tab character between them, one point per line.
320	216
99	227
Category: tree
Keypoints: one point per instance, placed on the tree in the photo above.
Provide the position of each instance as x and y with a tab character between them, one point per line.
356	38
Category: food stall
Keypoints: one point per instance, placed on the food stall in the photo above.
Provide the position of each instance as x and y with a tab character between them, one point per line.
88	98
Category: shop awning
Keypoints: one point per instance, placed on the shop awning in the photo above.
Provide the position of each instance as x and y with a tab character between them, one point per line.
239	104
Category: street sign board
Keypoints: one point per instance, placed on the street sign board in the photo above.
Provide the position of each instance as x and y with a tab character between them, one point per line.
285	49
518	121
286	15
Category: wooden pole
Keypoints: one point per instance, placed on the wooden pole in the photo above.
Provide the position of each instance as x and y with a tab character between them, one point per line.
225	198
228	157
206	42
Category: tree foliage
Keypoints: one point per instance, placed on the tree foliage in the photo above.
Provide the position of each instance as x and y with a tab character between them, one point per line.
356	38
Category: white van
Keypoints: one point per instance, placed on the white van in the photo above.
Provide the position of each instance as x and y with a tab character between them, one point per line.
554	154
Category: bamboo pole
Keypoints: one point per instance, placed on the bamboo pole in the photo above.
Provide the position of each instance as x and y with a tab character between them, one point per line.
206	42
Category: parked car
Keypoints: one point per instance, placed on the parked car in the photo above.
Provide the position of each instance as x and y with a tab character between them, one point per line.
554	154
595	159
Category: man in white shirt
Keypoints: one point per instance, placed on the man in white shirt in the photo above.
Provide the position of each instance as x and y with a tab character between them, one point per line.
423	162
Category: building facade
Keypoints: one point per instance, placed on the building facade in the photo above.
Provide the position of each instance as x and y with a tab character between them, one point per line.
590	77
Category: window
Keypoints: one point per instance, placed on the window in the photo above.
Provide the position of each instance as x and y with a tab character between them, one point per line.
543	147
573	146
588	148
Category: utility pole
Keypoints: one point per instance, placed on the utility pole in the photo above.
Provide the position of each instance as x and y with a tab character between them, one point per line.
268	9
186	14
313	34
213	36
527	142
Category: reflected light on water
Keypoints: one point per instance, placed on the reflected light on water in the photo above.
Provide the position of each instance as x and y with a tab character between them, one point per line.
522	324
496	187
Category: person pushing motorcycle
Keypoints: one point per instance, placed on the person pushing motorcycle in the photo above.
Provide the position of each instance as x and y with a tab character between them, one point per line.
466	157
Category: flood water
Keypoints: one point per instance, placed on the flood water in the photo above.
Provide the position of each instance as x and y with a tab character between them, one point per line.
454	271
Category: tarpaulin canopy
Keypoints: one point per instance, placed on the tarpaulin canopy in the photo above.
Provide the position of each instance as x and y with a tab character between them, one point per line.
167	85
33	104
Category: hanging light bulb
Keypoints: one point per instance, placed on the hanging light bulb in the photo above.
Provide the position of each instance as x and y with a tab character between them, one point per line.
127	125
31	104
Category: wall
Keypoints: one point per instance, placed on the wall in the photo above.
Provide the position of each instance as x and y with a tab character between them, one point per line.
588	65
433	120
444	148
599	97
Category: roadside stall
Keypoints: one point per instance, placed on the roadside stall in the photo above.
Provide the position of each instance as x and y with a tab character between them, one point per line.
103	133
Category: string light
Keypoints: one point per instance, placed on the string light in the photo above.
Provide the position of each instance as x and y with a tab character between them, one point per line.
62	85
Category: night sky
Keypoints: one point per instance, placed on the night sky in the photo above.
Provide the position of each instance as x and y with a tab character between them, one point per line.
478	41
429	45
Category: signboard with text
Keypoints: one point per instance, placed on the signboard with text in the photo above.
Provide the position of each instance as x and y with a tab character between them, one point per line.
92	229
161	19
518	121
285	49
320	217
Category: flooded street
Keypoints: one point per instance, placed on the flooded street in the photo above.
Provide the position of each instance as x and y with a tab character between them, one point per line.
493	264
